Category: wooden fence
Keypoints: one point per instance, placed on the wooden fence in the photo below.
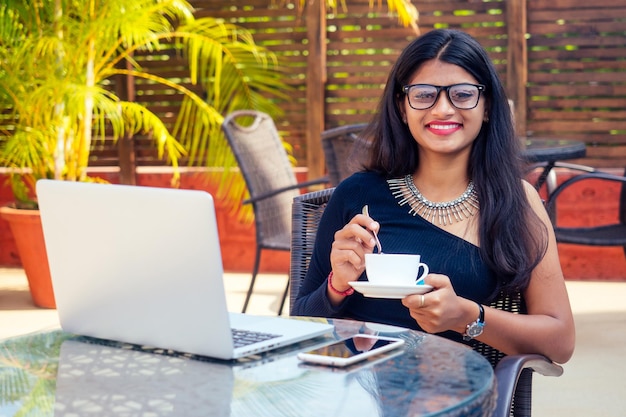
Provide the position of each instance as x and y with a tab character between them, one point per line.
563	63
576	70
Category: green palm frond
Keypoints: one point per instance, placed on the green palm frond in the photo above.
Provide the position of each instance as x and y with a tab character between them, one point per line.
228	64
141	120
406	11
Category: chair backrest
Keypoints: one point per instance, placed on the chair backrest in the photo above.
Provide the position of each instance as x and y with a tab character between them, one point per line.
344	151
306	213
265	166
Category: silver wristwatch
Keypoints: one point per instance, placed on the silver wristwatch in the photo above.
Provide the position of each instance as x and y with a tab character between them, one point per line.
475	328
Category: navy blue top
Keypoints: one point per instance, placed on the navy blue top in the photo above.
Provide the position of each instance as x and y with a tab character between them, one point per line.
400	232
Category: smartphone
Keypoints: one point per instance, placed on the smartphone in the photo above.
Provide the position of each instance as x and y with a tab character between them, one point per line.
351	350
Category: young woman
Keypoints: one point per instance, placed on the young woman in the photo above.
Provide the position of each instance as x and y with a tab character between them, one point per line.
443	133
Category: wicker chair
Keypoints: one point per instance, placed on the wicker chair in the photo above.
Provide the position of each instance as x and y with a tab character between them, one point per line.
342	156
270	180
513	373
613	234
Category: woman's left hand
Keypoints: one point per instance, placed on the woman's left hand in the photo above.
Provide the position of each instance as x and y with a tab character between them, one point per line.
439	310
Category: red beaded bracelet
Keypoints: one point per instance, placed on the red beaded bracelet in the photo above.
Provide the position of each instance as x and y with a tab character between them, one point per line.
345	293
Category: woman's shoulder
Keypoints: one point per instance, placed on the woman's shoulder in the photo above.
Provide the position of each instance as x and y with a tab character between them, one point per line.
535	201
532	195
353	191
362	179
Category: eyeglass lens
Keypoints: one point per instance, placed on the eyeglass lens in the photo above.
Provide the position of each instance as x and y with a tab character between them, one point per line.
424	96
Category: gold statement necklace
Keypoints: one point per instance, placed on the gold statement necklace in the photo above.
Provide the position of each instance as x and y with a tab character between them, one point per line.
464	207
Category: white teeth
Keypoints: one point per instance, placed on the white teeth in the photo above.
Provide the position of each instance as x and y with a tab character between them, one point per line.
443	127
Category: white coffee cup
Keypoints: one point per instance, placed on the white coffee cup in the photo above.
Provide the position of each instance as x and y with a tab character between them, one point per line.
394	268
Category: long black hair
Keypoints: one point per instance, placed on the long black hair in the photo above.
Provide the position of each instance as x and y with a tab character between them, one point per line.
512	238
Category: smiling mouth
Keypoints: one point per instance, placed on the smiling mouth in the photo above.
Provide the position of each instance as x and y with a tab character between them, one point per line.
444	127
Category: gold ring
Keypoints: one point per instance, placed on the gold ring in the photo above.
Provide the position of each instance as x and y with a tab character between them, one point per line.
422	301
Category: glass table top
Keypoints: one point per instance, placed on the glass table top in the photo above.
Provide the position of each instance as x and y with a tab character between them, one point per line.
59	374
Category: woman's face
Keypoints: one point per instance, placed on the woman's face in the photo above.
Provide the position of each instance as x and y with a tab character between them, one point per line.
443	128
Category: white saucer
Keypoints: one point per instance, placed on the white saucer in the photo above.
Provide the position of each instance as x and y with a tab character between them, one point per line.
369	289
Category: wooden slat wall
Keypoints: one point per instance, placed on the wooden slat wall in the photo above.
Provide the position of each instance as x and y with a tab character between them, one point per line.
576	66
577	75
355	79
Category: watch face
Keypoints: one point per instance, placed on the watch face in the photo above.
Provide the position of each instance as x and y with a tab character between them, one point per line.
475	330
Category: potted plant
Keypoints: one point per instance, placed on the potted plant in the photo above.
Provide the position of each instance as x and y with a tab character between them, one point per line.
57	60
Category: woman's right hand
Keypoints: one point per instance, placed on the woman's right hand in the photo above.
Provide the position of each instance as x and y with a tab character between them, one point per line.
347	256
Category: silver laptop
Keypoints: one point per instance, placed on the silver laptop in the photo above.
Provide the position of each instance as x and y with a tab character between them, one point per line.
143	265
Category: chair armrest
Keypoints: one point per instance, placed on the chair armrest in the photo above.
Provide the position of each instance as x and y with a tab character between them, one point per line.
354	129
559	164
548	175
508	372
577	167
305	184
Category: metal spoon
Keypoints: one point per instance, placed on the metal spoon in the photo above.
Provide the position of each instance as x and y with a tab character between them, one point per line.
366	213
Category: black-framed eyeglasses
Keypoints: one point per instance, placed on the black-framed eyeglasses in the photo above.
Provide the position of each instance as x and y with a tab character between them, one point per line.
462	96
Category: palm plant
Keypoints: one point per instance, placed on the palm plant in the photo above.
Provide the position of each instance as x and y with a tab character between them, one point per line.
57	61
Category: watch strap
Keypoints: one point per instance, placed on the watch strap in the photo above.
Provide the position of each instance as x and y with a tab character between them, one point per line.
481	314
475	328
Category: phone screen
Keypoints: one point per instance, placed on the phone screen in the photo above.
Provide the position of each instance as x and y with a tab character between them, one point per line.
351	347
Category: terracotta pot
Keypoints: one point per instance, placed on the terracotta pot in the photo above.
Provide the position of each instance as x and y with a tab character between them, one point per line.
28	235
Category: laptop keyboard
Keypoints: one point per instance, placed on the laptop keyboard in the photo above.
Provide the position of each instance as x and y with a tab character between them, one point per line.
247	337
